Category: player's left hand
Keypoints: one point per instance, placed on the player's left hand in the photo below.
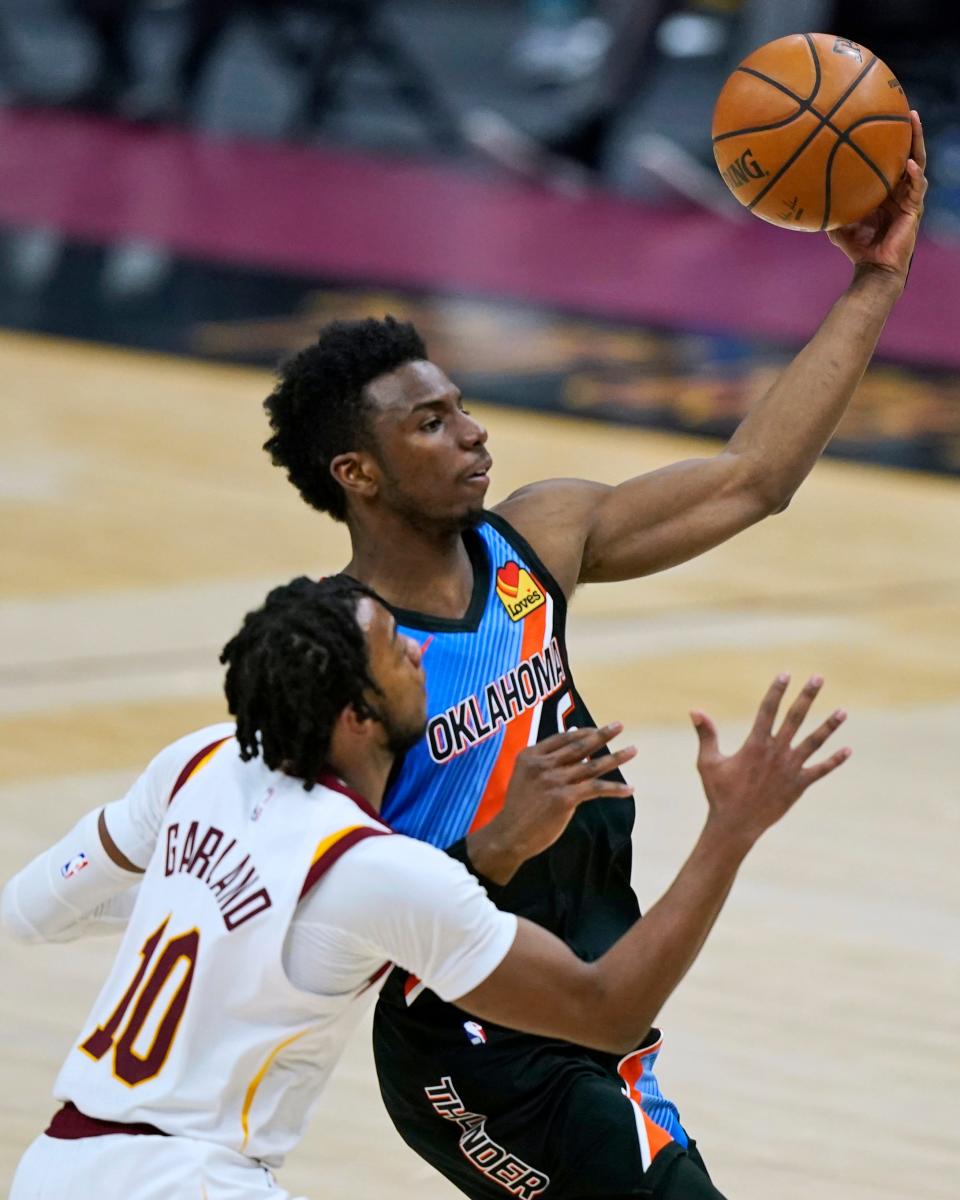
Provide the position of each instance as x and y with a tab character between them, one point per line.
550	780
751	790
887	237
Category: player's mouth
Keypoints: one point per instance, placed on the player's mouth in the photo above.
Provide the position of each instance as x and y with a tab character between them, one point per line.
480	475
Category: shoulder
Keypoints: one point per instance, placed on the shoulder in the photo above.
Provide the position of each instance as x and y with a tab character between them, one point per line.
414	905
133	822
199	738
548	499
555	517
397	866
166	767
393	875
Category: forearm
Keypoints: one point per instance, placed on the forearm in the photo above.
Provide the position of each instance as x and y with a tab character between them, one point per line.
633	980
68	890
785	432
492	858
543	987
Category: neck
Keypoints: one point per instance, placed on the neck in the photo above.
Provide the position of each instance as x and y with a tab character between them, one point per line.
420	569
364	770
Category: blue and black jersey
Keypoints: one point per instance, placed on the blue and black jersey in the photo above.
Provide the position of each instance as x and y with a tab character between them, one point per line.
496	1110
499	680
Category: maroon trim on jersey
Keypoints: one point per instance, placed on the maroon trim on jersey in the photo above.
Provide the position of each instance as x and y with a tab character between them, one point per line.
327	779
375	977
192	765
70	1124
323	864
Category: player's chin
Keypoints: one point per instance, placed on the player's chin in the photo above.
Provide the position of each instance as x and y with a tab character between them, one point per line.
404	736
474	489
473	515
461	512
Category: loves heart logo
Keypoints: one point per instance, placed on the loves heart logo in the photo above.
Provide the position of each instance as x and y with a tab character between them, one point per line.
518	591
508	579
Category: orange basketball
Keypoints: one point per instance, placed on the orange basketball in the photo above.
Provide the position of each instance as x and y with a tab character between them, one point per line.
811	132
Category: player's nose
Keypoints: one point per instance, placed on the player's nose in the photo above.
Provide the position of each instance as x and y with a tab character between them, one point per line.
473	433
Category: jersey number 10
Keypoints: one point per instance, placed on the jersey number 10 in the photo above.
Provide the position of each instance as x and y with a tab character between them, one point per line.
130	1066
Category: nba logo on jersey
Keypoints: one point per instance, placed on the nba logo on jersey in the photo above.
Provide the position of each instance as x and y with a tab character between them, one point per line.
261	805
74	865
517	591
475	1032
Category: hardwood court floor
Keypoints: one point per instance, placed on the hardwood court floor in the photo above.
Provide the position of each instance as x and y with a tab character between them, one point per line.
814	1047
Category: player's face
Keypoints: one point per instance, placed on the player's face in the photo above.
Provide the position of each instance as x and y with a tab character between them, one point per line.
394	661
430	452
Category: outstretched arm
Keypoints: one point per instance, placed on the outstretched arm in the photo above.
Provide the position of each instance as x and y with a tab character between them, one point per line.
588	532
77	887
84	883
542	987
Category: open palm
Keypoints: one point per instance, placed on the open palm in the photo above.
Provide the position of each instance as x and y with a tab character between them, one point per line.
750	790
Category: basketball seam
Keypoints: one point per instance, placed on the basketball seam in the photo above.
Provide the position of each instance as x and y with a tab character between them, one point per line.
823	122
843	138
761	128
827	124
828	185
818	76
805	105
873	117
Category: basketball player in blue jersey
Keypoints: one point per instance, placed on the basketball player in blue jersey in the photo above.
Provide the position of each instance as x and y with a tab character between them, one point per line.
373	433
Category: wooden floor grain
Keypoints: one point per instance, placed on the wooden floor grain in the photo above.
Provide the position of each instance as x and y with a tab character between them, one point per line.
814	1048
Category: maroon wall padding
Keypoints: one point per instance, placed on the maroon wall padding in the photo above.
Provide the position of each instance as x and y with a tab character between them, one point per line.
349	216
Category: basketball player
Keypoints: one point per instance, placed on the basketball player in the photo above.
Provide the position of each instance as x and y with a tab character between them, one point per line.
373	433
273	899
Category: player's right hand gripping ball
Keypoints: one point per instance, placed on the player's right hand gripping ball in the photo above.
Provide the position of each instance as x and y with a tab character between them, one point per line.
811	132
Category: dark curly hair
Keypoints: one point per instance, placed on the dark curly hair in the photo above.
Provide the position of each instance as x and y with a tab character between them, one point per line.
294	666
317	408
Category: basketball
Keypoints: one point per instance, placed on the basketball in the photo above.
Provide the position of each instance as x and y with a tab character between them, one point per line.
811	132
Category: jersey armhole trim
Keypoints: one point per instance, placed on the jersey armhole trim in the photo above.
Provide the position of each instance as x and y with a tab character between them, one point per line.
375	977
200	759
519	542
331	849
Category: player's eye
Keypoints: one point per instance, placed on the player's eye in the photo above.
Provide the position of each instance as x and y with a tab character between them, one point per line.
431	423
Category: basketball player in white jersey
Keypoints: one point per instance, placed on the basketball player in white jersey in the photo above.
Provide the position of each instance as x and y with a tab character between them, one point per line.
272	900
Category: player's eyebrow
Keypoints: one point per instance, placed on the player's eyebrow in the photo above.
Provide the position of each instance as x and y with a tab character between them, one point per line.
439	401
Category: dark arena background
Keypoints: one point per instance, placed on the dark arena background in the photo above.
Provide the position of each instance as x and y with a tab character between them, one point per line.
189	189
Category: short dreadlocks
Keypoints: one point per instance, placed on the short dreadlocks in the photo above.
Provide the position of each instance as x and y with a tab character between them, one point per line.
295	665
317	409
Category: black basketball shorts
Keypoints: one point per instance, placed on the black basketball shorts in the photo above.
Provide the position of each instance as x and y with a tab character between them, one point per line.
500	1113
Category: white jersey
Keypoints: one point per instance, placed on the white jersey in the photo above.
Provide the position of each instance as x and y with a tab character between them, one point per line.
199	1030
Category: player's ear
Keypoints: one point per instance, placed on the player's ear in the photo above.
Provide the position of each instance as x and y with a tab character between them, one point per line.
352	722
356	472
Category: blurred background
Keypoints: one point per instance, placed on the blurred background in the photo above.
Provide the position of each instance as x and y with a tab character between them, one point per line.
209	177
570	91
190	188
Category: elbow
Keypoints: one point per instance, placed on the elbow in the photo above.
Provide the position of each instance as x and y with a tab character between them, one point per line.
613	1026
761	495
625	1041
780	504
619	1044
14	923
767	497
